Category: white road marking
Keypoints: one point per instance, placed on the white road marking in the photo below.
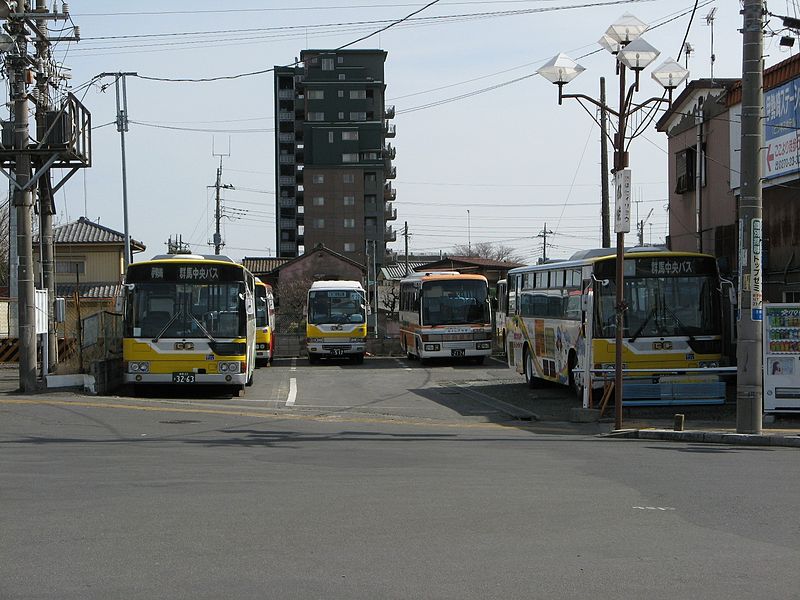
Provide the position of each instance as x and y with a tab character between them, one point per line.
403	365
294	365
292	392
654	508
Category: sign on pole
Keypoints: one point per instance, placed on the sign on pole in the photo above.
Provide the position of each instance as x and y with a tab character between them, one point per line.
41	311
622	207
756	295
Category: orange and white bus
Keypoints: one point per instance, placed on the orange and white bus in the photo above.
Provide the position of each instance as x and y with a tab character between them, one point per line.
446	314
265	323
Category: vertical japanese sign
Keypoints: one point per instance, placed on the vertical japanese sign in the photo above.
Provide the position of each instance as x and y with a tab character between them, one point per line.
756	284
622	206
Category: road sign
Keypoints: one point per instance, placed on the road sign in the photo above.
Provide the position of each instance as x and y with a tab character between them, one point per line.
622	207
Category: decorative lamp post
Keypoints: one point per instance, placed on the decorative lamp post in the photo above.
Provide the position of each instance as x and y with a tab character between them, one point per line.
623	40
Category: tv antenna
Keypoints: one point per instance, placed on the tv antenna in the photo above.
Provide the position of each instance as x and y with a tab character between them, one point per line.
710	23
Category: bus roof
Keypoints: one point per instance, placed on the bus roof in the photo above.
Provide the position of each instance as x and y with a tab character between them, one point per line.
589	257
261	283
189	258
336	285
444	276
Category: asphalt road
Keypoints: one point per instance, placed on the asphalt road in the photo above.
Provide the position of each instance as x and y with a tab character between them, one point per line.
386	480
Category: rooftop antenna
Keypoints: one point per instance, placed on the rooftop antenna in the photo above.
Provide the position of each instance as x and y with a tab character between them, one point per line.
710	23
687	50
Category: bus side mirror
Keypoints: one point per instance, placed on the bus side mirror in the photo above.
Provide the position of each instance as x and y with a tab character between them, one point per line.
728	285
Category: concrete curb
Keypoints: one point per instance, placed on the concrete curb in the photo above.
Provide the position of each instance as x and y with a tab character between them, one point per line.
707	437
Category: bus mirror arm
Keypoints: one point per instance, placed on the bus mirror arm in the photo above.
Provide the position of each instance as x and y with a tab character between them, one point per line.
726	283
603	282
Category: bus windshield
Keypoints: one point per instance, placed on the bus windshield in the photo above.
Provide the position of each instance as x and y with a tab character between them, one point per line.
660	306
262	318
187	310
455	302
336	306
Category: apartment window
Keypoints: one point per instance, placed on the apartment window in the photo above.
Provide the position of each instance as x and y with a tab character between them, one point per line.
341	93
340	59
686	170
358	116
370	178
350	136
341	115
318	201
349	200
318	178
348	178
327	64
319	223
371	223
316	94
316	116
350	157
330	137
349	247
370	156
358	94
341	76
791	297
349	223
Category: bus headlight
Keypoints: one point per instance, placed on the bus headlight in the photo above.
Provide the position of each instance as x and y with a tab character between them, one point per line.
355	340
708	364
139	367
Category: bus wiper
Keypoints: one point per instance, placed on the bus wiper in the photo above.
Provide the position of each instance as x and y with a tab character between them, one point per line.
681	327
639	331
202	328
170	322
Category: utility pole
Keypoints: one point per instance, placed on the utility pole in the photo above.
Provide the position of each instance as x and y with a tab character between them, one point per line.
46	204
217	215
543	234
698	173
122	127
23	203
405	236
469	234
604	210
749	400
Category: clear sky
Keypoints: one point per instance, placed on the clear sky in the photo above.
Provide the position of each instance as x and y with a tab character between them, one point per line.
477	130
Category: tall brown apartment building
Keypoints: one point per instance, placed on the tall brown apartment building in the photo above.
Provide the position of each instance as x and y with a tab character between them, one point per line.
333	165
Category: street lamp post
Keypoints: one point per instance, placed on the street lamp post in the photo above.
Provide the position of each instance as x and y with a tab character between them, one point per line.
622	39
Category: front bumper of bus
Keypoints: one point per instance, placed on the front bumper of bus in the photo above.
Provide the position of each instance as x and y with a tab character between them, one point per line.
439	349
336	348
182	378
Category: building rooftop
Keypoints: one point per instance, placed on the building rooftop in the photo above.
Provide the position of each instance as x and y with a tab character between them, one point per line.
263	264
84	231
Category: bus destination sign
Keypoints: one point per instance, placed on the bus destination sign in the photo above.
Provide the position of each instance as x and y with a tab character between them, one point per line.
183	273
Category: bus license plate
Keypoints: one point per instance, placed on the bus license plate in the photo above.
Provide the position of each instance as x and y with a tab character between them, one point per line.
457	352
183	378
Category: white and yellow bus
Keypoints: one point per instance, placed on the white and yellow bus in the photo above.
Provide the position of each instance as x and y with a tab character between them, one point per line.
561	324
265	323
189	320
446	314
336	321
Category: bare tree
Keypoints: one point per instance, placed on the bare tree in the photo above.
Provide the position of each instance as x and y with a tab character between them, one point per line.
490	250
291	297
390	299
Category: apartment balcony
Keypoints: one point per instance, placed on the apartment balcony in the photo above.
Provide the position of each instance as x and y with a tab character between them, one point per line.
286	138
287	202
389	193
285	94
389	131
390	172
286	159
388	112
389	235
285	115
288	247
287	180
389	213
389	152
288	224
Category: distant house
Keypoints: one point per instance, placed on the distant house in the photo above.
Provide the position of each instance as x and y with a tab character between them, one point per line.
493	270
88	267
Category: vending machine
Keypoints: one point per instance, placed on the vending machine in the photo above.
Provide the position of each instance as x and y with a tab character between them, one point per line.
781	358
